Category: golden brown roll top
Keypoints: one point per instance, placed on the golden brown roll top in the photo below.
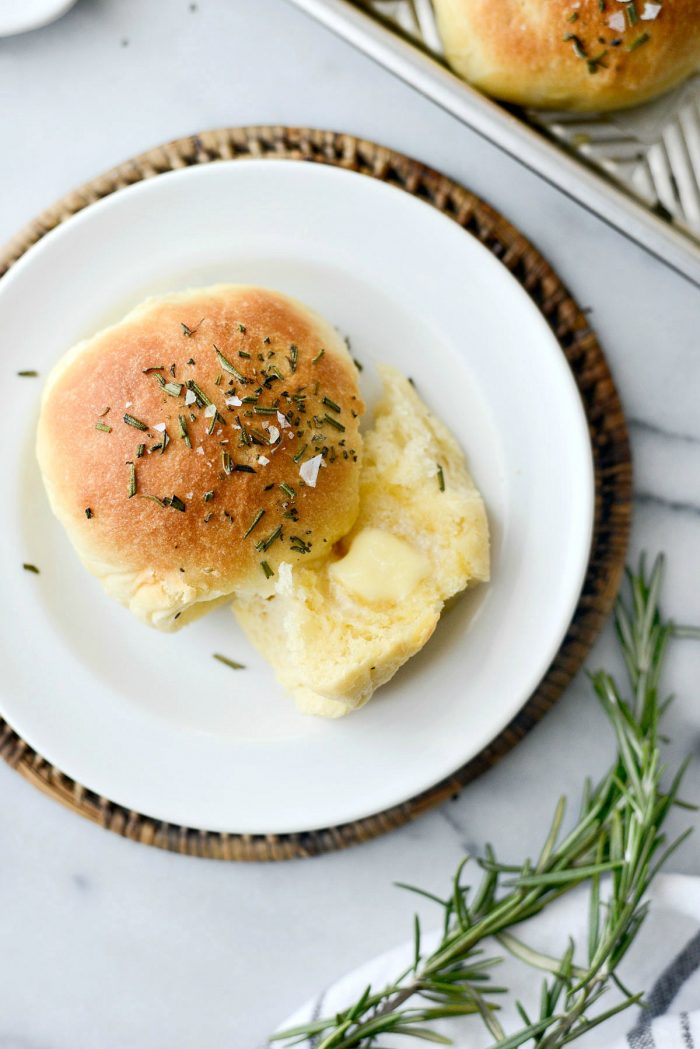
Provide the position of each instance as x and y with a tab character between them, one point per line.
571	54
191	448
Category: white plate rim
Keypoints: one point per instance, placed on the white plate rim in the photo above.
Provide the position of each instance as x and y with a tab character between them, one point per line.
558	361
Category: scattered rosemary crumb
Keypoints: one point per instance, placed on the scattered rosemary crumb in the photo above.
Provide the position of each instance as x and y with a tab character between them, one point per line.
441	478
186	330
355	360
266	569
229	662
638	42
288	490
299	545
331	404
578	47
333	422
597	60
183	430
30	568
317	358
173	388
88	513
104	427
131	420
267	340
176	503
265	544
153	368
632	16
132	479
140	449
208	496
573	17
242	328
293	357
28	373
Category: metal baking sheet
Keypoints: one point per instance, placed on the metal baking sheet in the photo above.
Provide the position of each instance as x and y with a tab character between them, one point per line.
639	170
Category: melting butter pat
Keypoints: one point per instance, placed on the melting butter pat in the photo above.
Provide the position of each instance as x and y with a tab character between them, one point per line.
380	568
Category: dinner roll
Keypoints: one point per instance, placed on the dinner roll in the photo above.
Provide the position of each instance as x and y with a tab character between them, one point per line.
571	54
336	630
192	447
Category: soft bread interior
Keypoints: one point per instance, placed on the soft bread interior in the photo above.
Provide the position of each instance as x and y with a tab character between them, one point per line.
330	644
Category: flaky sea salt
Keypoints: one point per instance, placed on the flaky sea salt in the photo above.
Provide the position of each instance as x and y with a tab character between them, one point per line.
190	397
308	471
617	22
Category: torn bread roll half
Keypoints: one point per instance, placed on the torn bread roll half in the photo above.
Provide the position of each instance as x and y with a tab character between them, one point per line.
336	630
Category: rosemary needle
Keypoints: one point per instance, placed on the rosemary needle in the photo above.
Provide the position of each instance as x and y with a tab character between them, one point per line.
253	523
230	368
229	662
130	420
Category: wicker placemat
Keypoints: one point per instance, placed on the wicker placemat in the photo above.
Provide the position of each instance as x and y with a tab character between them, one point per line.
613	474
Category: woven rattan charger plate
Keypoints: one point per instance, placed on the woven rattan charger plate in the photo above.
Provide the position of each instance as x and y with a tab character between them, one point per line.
608	435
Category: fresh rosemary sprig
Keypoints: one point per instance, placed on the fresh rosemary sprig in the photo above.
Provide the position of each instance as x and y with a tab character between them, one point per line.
619	833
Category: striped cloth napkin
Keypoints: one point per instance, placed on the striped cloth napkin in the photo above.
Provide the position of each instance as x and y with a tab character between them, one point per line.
664	962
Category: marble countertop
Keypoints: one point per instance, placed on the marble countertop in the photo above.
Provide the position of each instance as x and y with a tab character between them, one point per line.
106	943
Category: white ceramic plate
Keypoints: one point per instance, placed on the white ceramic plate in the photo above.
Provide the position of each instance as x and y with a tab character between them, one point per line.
152	721
17	16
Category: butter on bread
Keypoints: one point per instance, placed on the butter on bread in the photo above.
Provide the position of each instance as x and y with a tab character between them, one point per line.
336	630
174	447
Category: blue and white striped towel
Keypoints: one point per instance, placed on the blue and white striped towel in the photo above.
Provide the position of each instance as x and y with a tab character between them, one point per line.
664	962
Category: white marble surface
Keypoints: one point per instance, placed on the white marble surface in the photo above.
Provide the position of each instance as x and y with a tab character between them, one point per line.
105	943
